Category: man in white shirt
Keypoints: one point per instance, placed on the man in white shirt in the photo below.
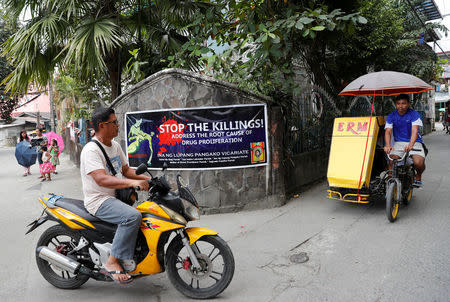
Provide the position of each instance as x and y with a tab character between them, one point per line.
99	186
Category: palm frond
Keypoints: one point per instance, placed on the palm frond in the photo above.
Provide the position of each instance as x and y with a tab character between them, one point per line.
91	42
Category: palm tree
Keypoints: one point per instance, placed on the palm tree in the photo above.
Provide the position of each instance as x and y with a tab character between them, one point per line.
93	37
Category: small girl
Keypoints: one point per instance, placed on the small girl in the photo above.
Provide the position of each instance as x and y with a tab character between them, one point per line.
54	152
46	166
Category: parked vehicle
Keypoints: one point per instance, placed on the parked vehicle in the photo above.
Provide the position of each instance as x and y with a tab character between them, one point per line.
199	263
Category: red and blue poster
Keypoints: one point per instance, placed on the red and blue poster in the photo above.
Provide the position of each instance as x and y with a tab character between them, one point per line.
198	138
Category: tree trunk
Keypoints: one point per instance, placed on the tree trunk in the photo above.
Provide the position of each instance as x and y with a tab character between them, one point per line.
52	105
115	72
112	59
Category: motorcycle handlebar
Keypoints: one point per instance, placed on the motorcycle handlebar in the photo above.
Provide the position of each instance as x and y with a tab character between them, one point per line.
404	154
138	188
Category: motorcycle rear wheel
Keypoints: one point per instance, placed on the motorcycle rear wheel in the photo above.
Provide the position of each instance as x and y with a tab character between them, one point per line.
217	263
57	237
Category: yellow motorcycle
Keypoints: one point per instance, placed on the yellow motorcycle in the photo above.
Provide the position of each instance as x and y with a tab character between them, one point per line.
199	263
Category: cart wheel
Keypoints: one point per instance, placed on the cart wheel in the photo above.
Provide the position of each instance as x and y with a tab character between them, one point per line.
391	203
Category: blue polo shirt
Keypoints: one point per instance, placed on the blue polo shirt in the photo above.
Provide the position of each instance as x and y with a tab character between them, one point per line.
402	125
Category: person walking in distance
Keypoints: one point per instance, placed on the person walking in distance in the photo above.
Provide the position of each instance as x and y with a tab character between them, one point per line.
39	141
23	136
99	186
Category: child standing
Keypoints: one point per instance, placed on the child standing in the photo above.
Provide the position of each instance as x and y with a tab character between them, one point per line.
46	166
54	152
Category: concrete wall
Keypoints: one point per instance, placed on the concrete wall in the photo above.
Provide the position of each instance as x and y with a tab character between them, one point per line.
306	168
216	190
72	148
10	133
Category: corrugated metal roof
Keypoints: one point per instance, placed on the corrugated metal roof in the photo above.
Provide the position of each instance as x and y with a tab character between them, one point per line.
429	9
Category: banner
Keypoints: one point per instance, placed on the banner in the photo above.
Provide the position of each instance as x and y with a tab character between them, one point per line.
198	138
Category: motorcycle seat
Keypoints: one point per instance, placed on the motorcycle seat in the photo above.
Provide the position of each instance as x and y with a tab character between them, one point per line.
76	206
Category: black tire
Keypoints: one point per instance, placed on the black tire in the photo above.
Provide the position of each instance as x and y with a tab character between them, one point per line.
391	204
180	275
407	197
53	237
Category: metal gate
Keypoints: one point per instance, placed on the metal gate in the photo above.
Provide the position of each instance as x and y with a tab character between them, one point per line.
310	124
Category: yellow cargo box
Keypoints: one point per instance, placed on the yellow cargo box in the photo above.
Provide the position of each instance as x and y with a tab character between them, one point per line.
348	146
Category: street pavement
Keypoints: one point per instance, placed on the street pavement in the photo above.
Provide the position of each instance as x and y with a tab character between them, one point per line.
354	253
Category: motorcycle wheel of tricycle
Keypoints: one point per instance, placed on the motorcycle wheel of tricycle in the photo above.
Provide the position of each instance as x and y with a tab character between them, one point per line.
391	202
65	241
216	260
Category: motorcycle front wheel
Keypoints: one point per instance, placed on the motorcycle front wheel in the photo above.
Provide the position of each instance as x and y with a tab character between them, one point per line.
391	202
217	267
62	241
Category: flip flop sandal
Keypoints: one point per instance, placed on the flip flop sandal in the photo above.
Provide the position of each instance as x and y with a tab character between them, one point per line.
417	184
111	273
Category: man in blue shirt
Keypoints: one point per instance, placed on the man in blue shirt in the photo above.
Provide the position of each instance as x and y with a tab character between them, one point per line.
404	123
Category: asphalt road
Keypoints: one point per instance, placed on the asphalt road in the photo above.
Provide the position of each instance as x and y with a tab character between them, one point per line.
355	254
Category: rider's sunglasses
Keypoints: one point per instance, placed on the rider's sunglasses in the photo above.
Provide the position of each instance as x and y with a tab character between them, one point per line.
115	122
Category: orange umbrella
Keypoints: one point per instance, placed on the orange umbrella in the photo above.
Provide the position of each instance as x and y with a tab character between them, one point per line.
385	83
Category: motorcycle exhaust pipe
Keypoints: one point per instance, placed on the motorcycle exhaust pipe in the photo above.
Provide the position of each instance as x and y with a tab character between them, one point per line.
59	260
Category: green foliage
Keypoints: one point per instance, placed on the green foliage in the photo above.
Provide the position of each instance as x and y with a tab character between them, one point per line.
93	39
7	105
78	97
134	67
389	41
263	38
266	42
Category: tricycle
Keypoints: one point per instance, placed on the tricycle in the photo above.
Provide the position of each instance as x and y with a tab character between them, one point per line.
350	181
358	169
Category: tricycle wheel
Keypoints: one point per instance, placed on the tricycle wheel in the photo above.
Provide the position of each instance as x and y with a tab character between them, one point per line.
391	202
407	196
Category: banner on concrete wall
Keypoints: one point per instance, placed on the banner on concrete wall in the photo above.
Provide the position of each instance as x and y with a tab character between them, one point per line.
198	138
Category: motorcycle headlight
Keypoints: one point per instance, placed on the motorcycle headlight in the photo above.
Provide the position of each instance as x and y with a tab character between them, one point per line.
174	215
190	210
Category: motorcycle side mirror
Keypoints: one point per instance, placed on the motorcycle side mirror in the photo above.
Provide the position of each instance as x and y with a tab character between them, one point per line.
141	169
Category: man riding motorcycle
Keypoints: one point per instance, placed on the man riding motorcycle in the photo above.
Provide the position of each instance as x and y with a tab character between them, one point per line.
99	184
404	124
